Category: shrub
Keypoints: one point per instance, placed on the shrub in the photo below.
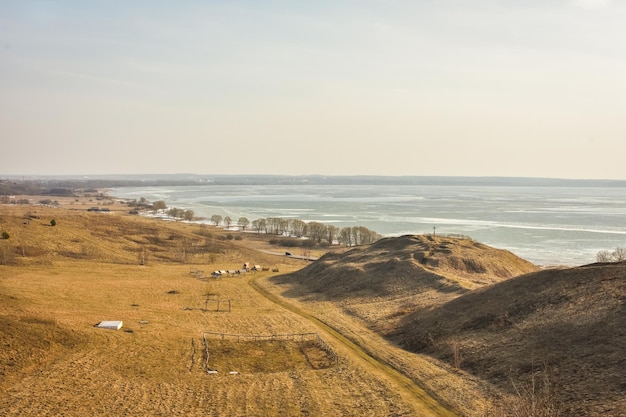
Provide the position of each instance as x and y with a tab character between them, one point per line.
205	232
307	243
618	255
53	222
5	235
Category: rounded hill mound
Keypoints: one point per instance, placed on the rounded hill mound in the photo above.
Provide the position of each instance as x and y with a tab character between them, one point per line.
382	282
411	264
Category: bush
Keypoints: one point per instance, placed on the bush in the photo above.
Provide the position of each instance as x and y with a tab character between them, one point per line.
53	222
307	243
289	242
229	236
538	397
238	237
5	235
205	232
618	255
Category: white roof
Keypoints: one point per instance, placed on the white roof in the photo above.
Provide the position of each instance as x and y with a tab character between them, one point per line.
110	324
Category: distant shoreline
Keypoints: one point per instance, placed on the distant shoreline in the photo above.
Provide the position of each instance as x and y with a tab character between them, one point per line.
114	181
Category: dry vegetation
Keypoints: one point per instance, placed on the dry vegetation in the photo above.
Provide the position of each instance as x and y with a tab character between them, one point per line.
57	282
393	277
565	327
544	342
402	321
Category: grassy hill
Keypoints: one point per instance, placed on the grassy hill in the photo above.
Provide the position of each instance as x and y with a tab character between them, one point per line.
57	282
382	282
551	339
474	323
394	266
564	327
102	237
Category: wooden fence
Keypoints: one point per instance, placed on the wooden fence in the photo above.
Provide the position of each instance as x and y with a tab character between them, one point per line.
294	337
301	337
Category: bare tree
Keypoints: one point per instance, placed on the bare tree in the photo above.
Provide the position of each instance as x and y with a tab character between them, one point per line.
356	236
331	233
367	236
188	215
228	221
316	231
243	222
259	225
216	219
603	256
345	236
159	205
297	227
283	226
276	225
619	254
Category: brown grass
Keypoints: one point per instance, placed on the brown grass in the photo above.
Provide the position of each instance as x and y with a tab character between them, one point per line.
484	343
384	282
86	269
570	319
458	306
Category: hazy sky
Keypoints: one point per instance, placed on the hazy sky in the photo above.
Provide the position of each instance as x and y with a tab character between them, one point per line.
448	87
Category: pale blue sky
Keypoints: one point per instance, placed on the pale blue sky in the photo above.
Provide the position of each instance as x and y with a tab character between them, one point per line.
483	88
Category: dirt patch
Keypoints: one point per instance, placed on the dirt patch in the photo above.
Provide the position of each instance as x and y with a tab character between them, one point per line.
266	356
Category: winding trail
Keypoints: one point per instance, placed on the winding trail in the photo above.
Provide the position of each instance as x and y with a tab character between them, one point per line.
423	403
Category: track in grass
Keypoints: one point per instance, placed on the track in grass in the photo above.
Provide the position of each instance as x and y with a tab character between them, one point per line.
423	403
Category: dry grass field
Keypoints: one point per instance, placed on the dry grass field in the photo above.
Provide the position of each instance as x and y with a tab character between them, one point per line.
57	282
514	340
409	326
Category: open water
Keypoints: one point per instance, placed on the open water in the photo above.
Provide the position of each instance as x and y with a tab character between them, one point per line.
545	224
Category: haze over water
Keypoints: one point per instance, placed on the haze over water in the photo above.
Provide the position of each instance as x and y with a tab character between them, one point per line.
543	221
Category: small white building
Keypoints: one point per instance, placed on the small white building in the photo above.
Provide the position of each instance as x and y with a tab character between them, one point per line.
110	324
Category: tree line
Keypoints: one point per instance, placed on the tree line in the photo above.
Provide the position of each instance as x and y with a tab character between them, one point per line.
317	233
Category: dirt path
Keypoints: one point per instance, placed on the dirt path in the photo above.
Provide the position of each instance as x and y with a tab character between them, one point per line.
420	400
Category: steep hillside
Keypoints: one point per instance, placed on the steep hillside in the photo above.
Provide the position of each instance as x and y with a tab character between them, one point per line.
395	266
379	283
566	326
